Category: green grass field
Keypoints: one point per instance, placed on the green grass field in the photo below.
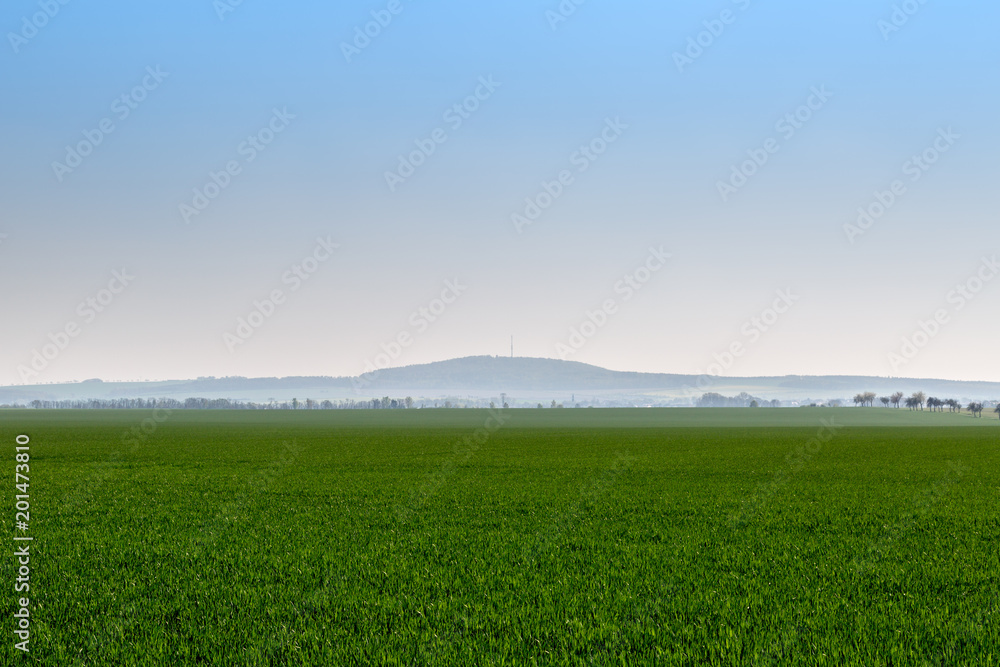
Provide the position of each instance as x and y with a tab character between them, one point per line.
561	537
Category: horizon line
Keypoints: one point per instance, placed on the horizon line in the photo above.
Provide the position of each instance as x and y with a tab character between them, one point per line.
501	357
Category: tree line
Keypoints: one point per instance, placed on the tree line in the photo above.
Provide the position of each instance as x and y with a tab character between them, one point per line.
741	400
384	403
917	400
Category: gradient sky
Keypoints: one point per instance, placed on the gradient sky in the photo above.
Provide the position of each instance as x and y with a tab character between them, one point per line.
655	186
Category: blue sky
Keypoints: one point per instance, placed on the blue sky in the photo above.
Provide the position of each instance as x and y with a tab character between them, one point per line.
226	79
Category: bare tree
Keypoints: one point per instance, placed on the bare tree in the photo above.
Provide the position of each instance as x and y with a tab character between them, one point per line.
919	398
885	400
896	398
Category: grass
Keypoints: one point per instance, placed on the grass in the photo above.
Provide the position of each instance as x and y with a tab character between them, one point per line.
676	537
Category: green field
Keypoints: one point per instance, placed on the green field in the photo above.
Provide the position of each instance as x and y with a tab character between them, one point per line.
561	537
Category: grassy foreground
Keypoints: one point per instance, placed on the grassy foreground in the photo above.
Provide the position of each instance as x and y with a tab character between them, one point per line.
672	537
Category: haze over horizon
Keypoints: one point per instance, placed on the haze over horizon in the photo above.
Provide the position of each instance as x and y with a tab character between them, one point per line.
713	381
294	134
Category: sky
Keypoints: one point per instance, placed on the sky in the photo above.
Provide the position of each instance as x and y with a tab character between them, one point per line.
730	187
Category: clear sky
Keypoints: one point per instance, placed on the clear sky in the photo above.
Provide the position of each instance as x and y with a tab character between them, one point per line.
218	154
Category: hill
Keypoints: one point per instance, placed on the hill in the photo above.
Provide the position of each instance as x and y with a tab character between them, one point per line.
528	378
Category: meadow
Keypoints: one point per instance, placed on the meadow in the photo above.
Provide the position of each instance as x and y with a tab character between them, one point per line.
810	536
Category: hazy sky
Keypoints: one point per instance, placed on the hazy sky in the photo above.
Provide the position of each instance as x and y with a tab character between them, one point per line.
247	141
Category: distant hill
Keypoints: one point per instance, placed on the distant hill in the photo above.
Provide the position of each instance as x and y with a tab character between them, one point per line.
519	373
485	376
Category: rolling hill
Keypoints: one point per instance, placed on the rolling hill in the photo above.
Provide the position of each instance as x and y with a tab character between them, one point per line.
486	377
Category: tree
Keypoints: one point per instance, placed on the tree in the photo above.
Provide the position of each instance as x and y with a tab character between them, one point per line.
976	409
885	400
919	398
997	409
295	404
865	399
754	404
896	398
